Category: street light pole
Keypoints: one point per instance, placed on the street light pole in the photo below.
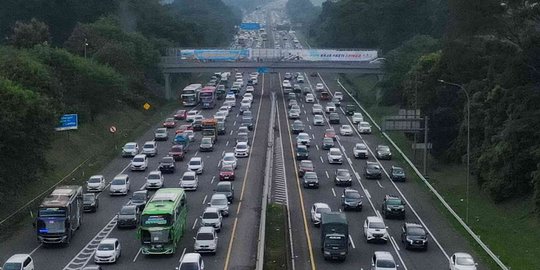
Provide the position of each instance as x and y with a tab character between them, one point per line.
85	45
468	142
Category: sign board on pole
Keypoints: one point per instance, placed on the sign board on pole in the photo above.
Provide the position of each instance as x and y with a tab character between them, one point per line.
421	146
263	70
112	129
146	106
250	26
68	121
401	124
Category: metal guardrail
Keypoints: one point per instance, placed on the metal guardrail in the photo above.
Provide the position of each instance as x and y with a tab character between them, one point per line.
266	186
431	188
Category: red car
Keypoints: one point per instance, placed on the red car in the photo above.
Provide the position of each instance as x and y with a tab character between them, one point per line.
177	152
324	96
305	166
184	127
180	115
330	133
169	123
226	173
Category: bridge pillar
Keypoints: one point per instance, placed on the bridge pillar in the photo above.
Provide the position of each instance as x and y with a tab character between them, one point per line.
168	91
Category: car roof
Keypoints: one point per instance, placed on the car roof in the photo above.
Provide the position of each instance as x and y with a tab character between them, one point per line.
149	142
196	158
109	240
228	154
131	143
374	218
415	225
121	176
191	257
129	206
225	183
189	173
321	205
462	254
140	191
384	255
335	149
206	229
140	155
306	162
242	143
211	209
19	258
219	196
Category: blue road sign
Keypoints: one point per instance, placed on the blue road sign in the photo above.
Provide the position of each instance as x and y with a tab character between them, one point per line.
250	26
263	70
68	121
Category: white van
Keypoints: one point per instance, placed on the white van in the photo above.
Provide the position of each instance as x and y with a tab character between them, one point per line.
19	262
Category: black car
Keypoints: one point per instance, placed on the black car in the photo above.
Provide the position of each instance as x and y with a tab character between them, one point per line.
128	217
373	170
297	127
343	178
197	125
413	236
90	202
393	206
302	152
226	188
221	128
333	118
206	145
310	179
139	199
287	76
351	199
327	143
397	174
166	165
383	152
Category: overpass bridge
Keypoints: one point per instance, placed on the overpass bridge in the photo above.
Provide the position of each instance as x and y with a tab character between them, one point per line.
267	61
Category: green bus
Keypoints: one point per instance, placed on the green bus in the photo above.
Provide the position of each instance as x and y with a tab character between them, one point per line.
163	221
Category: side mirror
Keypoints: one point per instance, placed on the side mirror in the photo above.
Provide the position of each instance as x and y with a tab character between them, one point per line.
176	268
208	203
372	265
228	202
194	238
200	217
342	196
386	227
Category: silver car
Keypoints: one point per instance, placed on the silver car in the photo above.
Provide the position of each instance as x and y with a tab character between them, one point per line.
212	217
150	148
161	134
334	156
189	181
206	240
96	183
220	202
130	149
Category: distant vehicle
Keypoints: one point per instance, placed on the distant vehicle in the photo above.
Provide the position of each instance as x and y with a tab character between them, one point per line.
302	152
310	98
297	127
161	134
226	188
242	138
336	101
139	199
397	174
462	261
229	160
206	145
96	183
208	97
128	216
190	95
120	185
334	156
139	163
19	262
360	151
316	211
413	236
327	143
180	115
191	261
130	149
334	235
375	229
169	123
189	181
393	206
190	116
317	109
60	215
324	95
318	120
167	165
206	241
310	180
163	221
196	164
338	95
177	152
108	251
333	118
150	149
303	139
351	199
364	128
383	260
226	173
319	87
357	118
212	217
220	202
155	180
383	152
373	170
241	150
305	166
350	110
343	177
300	79
90	202
346	130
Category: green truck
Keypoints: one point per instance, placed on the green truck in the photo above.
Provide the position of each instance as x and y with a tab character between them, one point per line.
334	236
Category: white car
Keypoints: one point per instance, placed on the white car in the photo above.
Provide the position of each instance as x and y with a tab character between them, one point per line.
220	202
119	185
357	118
196	164
346	130
310	98
300	79
229	160
150	148
375	229
190	134
241	82
319	87
139	163
130	149
241	150
318	120
330	107
334	156
317	109
220	116
286	83
212	217
364	128
225	109
250	89
383	260
360	151
316	211
338	95
190	116
303	139
248	96
462	261
154	180
206	240
238	75
189	181
294	114
19	262
96	183
230	103
246	103
108	251
192	261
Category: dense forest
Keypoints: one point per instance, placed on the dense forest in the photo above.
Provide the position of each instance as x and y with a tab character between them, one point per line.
302	11
491	48
87	57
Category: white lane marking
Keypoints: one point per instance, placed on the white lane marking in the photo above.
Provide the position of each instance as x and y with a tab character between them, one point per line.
213	178
397	252
227	144
182	256
340	210
327	175
234	124
307	118
357	175
219	164
394	242
321	159
310	127
35	249
230	133
378	213
379	183
367	193
304	111
204	200
317	147
124	169
352	242
137	255
195	224
223	153
196	153
313	136
334	192
143	187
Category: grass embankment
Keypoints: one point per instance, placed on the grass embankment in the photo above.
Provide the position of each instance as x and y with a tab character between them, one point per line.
275	250
509	229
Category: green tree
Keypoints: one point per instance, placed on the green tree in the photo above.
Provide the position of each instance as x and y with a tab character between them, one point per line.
26	35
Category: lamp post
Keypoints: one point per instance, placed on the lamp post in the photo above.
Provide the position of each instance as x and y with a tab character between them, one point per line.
85	45
468	142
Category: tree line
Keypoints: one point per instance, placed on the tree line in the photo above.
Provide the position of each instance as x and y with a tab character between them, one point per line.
491	48
87	57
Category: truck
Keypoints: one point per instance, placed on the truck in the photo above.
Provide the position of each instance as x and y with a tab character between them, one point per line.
334	235
59	215
209	129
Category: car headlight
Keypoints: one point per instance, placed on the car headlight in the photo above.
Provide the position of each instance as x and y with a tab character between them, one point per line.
342	253
327	253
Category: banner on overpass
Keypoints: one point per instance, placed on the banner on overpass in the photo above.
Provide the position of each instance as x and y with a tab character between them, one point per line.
250	26
328	55
215	55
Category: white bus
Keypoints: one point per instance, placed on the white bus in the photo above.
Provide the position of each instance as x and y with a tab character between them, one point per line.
190	94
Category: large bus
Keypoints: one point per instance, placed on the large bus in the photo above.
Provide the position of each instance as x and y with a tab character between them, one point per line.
208	97
59	215
190	95
163	221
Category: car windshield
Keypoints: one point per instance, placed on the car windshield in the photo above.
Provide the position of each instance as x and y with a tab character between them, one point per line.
138	159
393	202
306	165
116	182
416	232
227	169
465	261
129	146
127	211
398	171
384	148
228	158
361	147
12	266
210	215
322	210
188	177
94	180
169	120
88	198
343	173
218	201
373	167
377	225
106	247
335	152
303	137
206	141
364	124
328	141
241	147
194	162
205	236
139	197
386	264
161	130
167	160
352	195
223	188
